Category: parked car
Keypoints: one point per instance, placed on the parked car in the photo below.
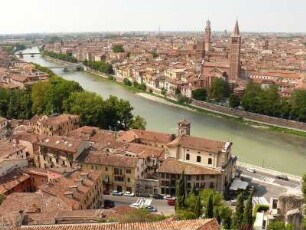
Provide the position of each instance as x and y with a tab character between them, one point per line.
282	177
171	202
252	170
127	193
105	192
158	196
116	193
143	194
167	197
151	209
108	204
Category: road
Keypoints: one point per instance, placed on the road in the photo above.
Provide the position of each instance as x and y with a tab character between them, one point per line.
268	185
161	205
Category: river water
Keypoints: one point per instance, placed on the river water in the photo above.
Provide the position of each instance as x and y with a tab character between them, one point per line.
254	145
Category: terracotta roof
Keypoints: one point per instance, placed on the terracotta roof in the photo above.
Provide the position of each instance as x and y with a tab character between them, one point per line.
68	144
110	159
57	120
198	143
200	224
60	187
173	166
144	151
7	148
134	134
85	131
11	180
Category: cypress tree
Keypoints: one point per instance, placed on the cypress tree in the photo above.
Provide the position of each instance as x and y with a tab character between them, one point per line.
198	207
239	211
180	192
247	215
217	215
210	207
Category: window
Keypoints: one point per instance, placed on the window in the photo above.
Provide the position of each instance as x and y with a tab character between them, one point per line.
106	169
209	161
211	185
128	171
128	180
198	159
187	156
119	178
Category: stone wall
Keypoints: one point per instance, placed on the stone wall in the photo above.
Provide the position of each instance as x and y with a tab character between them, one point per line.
251	116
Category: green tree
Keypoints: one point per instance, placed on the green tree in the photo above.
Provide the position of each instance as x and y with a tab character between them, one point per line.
219	89
127	82
239	211
198	207
209	211
118	48
298	105
88	106
304	186
138	123
180	193
199	94
38	96
226	216
248	213
234	101
278	225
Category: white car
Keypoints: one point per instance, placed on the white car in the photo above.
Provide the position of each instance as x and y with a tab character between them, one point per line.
252	170
127	193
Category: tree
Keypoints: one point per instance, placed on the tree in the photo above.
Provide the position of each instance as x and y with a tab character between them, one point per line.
304	186
226	216
298	105
278	225
138	123
217	215
199	94
248	213
88	106
198	207
38	96
219	89
118	49
239	211
127	82
209	211
234	101
180	192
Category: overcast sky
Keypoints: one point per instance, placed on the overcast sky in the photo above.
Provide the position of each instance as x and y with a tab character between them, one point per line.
27	16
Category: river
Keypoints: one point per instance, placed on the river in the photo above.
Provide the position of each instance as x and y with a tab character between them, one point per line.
253	145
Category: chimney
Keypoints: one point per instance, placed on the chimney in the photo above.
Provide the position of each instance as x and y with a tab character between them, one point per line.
69	194
84	175
73	188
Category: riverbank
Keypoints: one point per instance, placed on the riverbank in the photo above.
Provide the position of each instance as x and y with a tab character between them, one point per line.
261	121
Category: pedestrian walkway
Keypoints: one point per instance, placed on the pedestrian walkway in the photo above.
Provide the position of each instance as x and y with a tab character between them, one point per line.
267	179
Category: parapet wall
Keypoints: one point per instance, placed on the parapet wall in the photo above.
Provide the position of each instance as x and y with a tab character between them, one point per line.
284	123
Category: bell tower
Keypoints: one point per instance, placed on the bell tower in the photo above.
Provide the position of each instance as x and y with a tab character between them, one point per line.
183	128
207	36
234	55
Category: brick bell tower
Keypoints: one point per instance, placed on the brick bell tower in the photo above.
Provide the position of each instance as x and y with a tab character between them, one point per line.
234	55
207	36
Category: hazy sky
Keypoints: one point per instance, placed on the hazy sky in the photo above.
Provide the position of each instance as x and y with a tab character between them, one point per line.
25	16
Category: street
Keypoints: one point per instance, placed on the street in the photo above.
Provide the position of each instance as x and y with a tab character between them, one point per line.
267	185
161	205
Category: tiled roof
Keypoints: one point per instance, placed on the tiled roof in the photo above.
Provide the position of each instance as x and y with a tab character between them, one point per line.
200	224
68	144
173	166
57	120
144	151
7	148
131	135
110	159
11	180
198	143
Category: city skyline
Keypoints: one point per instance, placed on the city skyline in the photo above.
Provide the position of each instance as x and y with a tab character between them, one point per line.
48	16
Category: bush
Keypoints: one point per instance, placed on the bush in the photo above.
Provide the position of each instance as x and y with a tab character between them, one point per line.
185	215
199	94
127	82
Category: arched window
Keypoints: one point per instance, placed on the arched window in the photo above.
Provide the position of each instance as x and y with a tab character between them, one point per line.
187	156
198	159
209	161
